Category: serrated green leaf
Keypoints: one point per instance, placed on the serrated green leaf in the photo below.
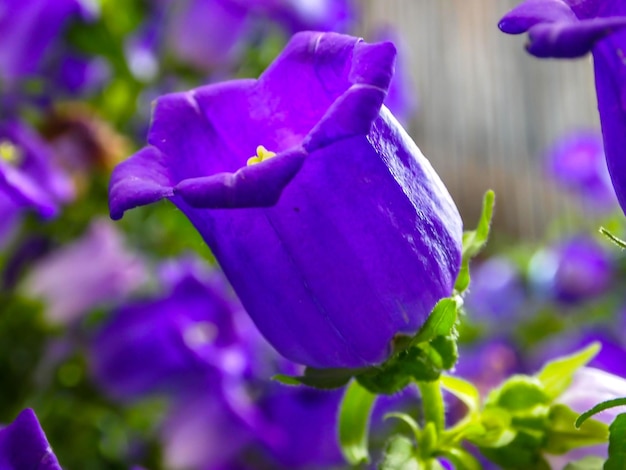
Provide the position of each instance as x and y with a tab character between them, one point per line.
440	321
463	390
617	444
556	375
605	405
354	420
399	455
474	241
563	436
590	462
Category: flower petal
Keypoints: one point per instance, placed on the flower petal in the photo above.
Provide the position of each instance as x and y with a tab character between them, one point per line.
532	12
140	180
569	40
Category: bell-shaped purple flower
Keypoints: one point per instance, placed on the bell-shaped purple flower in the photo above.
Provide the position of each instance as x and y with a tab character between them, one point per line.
336	239
23	445
574	270
94	270
567	29
577	162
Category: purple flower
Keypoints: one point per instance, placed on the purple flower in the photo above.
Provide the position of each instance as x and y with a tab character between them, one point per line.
173	341
321	15
209	428
336	239
23	445
489	363
568	28
574	270
27	174
577	162
87	273
589	387
496	293
29	30
305	427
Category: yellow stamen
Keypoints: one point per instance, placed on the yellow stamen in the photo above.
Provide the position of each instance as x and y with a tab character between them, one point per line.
262	154
9	152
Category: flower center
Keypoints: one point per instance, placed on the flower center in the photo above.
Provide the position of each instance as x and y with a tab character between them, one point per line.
9	153
262	154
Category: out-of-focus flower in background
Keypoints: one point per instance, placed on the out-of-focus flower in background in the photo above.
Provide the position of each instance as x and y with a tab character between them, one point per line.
333	233
497	296
577	163
93	271
23	445
29	180
572	271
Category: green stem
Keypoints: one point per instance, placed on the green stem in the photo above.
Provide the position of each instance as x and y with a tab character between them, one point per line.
432	404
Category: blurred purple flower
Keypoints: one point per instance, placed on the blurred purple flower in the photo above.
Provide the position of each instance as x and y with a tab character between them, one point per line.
589	387
209	428
23	445
489	363
402	95
341	240
577	162
305	427
170	342
574	270
27	174
211	34
29	31
318	15
97	269
572	29
496	293
78	75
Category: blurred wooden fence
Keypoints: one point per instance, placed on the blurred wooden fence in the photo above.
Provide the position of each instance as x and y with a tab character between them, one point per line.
488	109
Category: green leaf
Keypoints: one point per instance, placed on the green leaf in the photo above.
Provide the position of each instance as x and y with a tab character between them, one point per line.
460	458
556	375
617	444
400	455
494	431
523	453
324	379
440	321
590	462
354	420
563	436
520	394
408	420
463	390
605	405
474	241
